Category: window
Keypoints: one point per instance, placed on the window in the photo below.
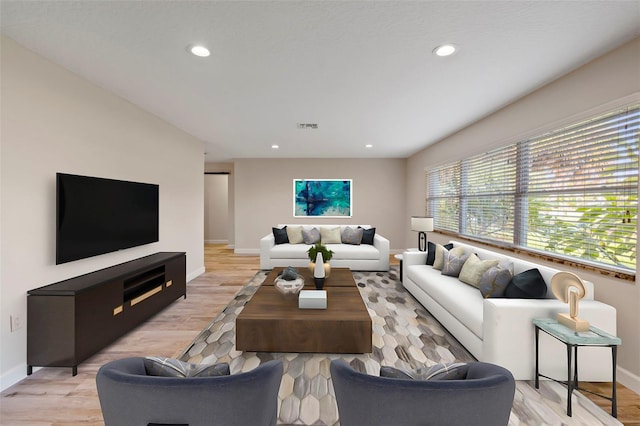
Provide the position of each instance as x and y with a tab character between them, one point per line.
572	193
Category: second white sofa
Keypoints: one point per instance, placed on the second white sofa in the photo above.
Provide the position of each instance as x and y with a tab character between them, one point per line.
362	257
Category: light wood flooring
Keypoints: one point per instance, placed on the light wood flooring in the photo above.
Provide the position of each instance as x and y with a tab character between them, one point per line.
51	396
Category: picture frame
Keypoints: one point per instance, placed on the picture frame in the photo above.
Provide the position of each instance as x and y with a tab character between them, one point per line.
323	198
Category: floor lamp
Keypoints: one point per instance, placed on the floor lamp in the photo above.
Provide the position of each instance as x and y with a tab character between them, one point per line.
422	225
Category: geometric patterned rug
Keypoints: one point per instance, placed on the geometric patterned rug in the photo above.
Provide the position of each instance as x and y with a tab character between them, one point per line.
405	335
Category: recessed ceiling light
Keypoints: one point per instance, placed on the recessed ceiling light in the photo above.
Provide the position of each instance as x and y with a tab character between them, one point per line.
368	145
445	50
199	50
275	146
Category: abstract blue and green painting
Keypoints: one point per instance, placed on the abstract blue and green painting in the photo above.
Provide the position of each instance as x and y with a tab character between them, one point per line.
322	197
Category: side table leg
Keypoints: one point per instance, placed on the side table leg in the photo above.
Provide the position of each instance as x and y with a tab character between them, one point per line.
614	404
575	368
537	382
569	381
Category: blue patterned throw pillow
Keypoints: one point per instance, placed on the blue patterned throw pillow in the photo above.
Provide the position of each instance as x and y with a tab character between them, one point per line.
170	367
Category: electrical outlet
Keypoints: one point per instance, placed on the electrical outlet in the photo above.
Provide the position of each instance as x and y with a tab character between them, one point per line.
16	322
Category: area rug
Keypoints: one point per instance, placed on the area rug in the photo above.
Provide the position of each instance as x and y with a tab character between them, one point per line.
405	335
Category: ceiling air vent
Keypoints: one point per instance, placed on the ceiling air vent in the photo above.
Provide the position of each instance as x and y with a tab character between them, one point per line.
307	125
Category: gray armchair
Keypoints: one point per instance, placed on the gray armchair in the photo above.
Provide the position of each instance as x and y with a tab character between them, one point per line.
129	397
484	397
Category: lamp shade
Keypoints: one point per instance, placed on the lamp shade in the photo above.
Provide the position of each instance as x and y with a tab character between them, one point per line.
421	224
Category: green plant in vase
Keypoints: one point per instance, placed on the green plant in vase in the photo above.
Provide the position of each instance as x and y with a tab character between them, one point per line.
326	257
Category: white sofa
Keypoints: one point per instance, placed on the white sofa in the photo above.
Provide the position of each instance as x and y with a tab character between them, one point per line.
363	257
499	330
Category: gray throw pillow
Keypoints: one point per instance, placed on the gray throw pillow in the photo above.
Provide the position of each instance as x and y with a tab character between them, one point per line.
311	236
170	367
474	268
496	279
352	236
453	260
455	371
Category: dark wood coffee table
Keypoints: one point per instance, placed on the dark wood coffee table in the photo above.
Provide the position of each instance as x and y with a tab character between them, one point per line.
271	322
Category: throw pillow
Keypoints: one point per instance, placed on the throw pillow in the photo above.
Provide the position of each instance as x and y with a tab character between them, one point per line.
527	285
456	371
474	268
431	252
280	234
170	367
438	260
330	235
495	280
294	234
352	236
310	236
367	235
453	260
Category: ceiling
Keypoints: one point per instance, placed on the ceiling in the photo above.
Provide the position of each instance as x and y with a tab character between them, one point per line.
362	70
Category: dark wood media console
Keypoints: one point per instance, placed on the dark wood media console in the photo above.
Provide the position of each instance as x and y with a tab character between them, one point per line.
69	321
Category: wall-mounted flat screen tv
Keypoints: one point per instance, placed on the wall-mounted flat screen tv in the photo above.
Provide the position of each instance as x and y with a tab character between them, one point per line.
96	216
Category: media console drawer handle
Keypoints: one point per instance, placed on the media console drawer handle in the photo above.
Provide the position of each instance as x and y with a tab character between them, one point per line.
169	283
146	295
117	310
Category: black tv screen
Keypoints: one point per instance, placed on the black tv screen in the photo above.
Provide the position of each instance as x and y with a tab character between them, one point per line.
96	216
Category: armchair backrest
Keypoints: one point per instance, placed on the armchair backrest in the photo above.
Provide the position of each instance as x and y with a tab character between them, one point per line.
129	397
485	397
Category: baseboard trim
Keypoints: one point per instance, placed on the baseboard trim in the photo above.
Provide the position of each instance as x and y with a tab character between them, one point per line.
15	375
247	252
216	241
628	379
196	273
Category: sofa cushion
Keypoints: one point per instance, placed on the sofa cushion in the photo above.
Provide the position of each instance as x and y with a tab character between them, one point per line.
294	234
461	300
330	235
474	268
526	285
367	235
455	371
310	235
280	235
351	252
289	251
352	235
170	367
453	261
496	279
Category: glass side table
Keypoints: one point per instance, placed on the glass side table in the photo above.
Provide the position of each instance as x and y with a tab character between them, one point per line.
574	339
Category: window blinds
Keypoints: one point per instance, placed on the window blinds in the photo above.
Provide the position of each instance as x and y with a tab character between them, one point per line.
571	192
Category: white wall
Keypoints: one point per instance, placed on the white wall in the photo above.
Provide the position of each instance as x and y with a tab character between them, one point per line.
609	80
54	121
264	195
216	208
